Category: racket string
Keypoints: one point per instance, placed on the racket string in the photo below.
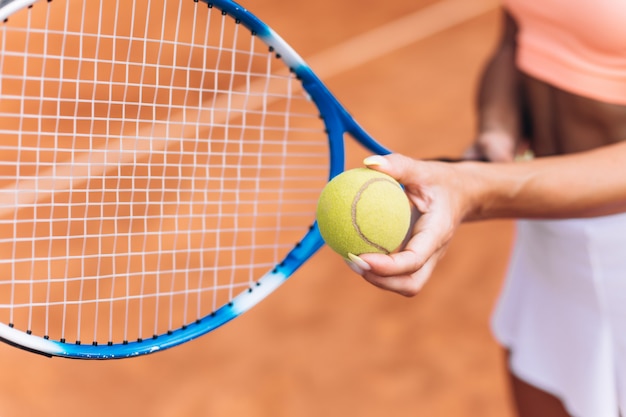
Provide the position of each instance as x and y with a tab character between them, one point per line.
156	161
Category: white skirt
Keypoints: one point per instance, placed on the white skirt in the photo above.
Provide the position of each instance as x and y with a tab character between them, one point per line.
562	311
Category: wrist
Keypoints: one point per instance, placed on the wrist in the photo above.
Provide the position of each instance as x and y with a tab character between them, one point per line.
475	190
490	189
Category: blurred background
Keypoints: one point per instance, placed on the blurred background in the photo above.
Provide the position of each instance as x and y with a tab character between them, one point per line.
327	343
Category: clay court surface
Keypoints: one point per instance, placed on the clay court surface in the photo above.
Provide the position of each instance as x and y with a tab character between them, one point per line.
326	343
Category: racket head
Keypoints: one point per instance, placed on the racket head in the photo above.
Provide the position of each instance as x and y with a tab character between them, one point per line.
336	117
334	122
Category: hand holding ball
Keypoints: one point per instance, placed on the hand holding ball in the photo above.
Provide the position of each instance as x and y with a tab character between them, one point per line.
363	211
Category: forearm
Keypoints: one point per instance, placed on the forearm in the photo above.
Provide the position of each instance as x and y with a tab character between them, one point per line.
585	184
498	99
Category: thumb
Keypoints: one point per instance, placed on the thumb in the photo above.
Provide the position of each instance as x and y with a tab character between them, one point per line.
400	167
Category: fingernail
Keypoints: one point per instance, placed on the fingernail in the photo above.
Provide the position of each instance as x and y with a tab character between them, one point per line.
358	262
354	267
374	160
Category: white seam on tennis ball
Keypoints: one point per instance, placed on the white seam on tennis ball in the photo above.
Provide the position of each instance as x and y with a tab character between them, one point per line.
353	209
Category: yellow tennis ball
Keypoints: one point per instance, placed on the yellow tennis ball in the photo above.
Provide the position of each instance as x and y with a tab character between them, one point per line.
363	211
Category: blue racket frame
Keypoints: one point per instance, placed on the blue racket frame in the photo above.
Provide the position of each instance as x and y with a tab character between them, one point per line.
338	122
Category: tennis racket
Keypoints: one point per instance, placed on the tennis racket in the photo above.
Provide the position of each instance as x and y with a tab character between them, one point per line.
160	165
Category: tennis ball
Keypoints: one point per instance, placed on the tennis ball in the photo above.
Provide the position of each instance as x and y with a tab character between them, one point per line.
363	211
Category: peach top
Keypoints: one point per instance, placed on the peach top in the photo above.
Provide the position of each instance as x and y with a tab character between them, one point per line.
576	45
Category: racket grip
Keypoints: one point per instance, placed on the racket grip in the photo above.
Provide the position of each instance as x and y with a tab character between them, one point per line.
457	159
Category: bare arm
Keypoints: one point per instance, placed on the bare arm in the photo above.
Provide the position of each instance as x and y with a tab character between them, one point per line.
586	184
499	101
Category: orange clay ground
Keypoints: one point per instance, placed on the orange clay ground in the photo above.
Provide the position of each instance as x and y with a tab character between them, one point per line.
327	343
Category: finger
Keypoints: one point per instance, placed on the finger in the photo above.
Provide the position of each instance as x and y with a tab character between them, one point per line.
406	285
429	236
499	154
496	146
402	168
405	262
473	153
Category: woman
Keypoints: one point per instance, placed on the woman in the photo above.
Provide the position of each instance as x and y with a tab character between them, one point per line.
558	83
